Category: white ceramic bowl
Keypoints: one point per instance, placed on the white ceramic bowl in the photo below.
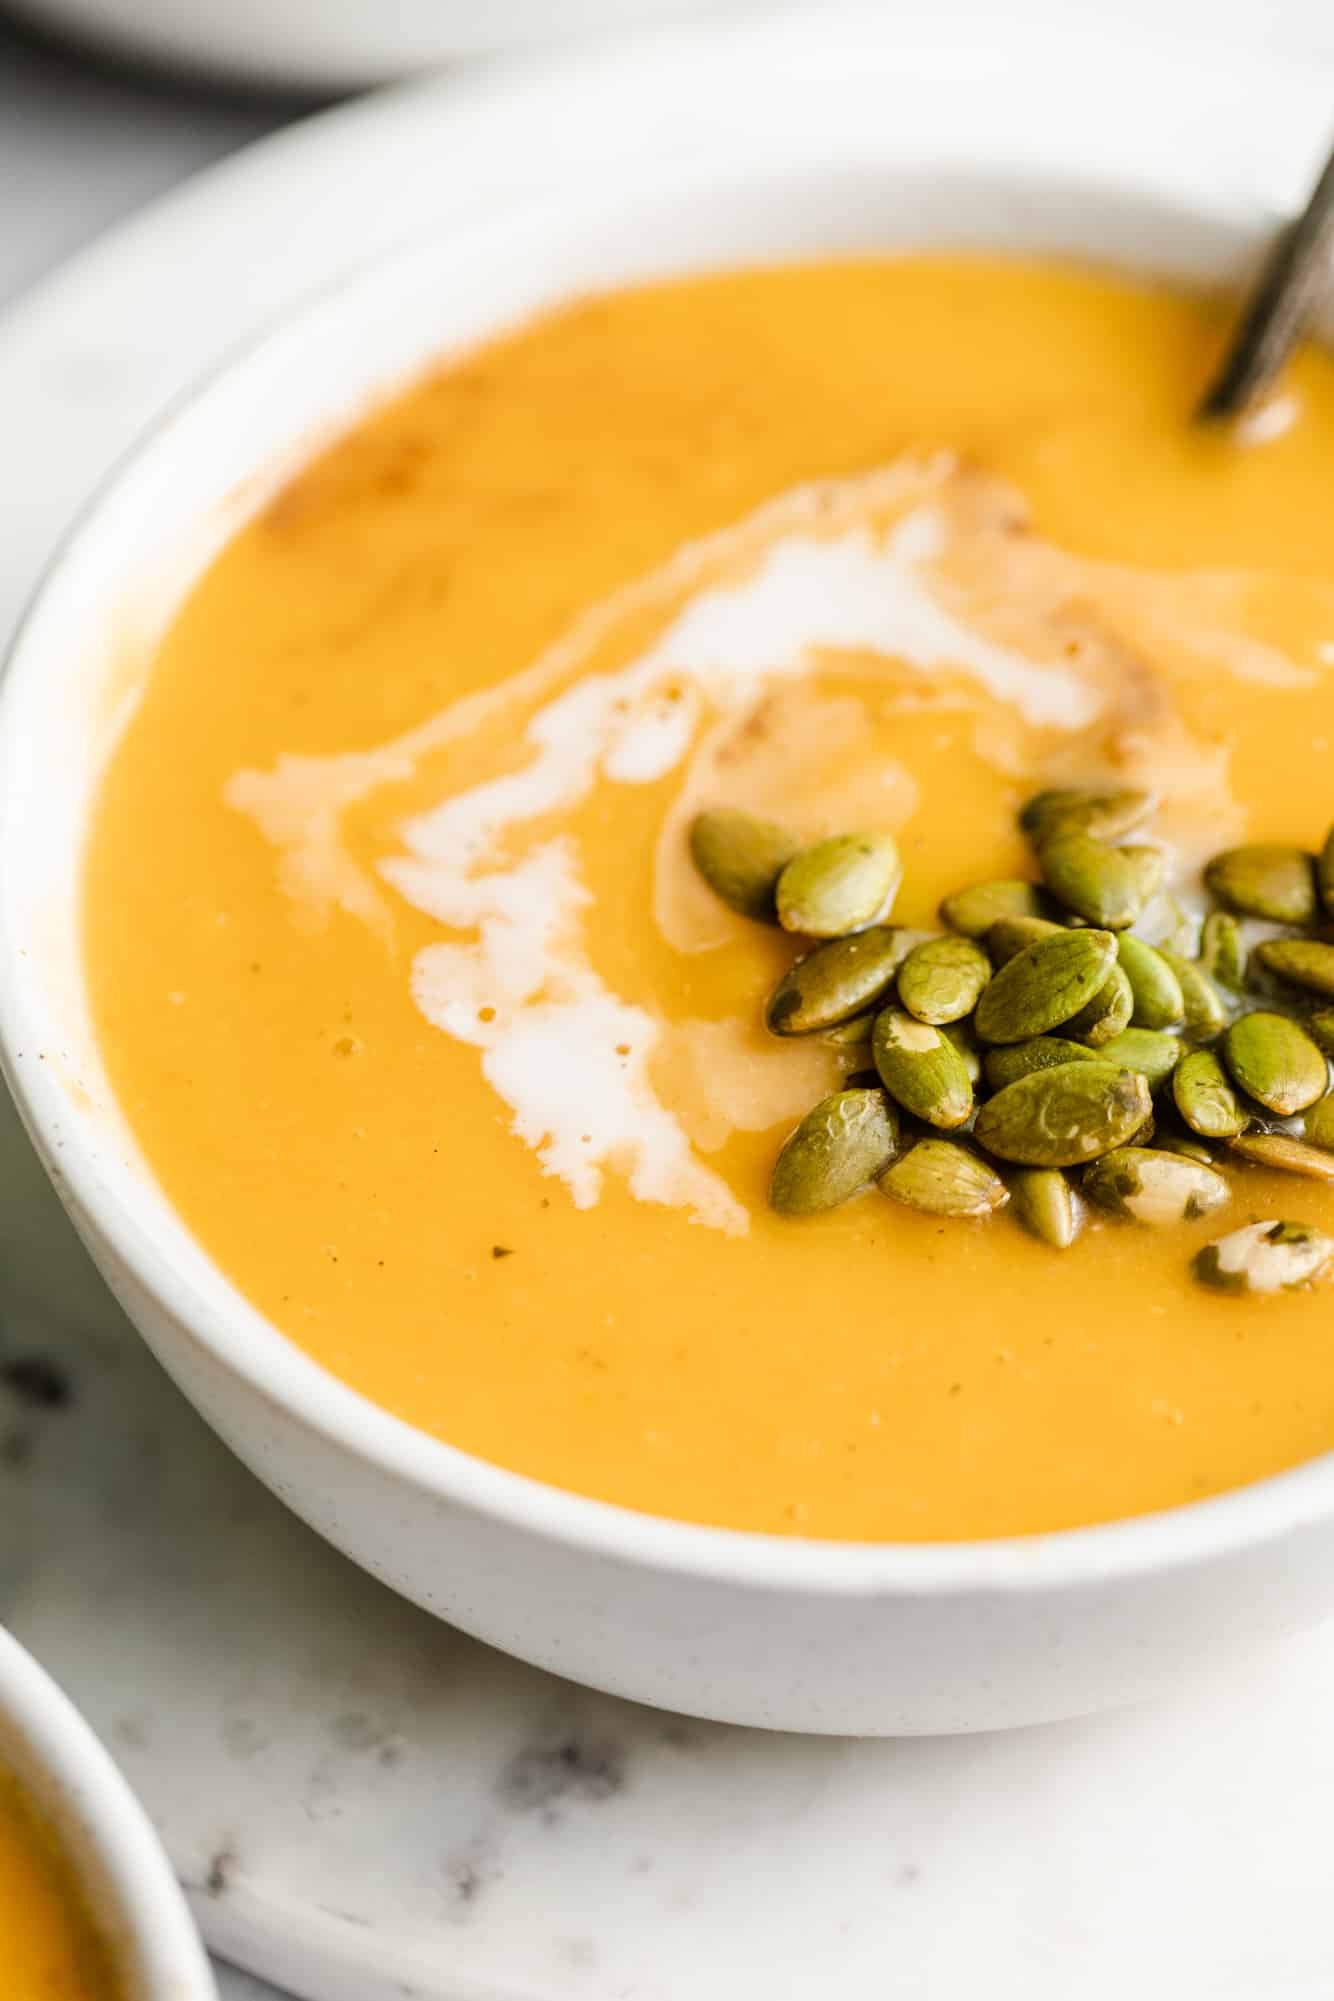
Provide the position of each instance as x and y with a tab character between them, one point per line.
114	1856
782	1632
334	45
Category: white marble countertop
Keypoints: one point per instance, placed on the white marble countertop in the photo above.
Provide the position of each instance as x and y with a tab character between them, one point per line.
79	148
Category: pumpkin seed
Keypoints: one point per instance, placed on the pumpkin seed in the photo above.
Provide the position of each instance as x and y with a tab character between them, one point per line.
940	980
961	1035
1205	1016
1045	985
1152	1187
1106	1014
1103	885
1303	962
840	885
1004	1065
1221	954
1155	987
1287	1155
1264	1257
1046	1205
1066	1116
945	1179
1205	1098
1320	1027
1074	810
853	1033
1186	1145
1149	866
921	1068
1324	873
1275	1062
1265	880
741	858
973	911
839	1148
837	980
1318	1124
1009	935
1148	1050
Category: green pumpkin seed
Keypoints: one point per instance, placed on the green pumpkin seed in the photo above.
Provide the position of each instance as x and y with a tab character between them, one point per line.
1320	1027
1303	962
940	980
1186	1145
855	1033
1103	1019
1265	880
840	885
835	981
1046	1205
838	1149
921	1068
961	1035
1155	987
1324	873
1264	1257
1152	1187
944	1179
1148	1050
1045	985
1275	1062
1005	1065
973	911
1221	954
741	858
1205	1016
1205	1098
1103	885
1149	866
1010	935
1288	1156
1066	1116
1104	815
1318	1124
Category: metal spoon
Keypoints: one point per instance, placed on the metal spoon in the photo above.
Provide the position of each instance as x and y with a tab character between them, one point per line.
1298	271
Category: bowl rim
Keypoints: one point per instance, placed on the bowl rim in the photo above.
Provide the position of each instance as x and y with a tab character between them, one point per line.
100	1828
247	1345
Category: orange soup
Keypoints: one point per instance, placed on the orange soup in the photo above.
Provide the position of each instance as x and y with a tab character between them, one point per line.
48	1950
436	1037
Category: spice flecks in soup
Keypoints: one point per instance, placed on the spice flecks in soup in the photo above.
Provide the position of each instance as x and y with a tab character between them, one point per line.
426	957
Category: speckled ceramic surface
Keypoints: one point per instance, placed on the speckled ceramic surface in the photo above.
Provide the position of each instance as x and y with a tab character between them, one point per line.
366	1805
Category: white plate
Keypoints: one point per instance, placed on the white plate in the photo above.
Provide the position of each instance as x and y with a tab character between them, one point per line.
362	1801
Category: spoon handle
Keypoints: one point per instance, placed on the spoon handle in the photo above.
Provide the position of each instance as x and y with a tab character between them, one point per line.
1297	271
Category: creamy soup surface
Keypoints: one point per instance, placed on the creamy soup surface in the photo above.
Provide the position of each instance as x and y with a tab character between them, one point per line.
419	1012
48	1950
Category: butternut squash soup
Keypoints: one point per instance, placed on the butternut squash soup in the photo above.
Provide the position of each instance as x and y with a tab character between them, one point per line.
723	904
48	1949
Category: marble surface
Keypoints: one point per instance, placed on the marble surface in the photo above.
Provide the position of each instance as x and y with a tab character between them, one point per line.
79	149
380	1807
